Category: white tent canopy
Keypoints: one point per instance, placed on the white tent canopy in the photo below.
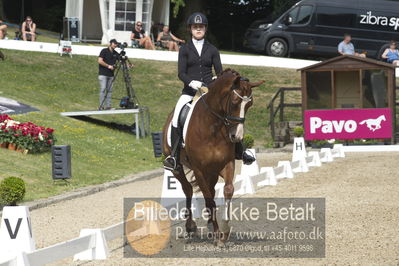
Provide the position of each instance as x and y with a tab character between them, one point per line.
107	19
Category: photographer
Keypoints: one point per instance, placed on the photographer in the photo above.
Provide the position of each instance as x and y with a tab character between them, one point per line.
106	65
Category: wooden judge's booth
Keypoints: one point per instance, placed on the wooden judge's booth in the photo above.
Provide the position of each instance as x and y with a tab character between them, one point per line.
349	97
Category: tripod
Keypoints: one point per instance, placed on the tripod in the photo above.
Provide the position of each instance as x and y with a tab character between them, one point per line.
130	101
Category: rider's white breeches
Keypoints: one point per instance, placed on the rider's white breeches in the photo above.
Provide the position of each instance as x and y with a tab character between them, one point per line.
184	98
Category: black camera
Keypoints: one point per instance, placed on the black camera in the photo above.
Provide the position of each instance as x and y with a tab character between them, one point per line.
121	45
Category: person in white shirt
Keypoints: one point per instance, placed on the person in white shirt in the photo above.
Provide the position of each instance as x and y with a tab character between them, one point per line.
346	47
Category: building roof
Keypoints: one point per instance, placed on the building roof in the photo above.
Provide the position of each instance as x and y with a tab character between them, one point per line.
348	62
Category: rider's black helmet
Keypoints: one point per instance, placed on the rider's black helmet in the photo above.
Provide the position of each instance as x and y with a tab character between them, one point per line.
197	18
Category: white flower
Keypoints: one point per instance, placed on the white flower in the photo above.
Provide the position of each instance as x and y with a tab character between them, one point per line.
331	141
41	137
11	123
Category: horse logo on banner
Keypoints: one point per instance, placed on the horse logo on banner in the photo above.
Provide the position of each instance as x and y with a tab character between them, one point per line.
373	124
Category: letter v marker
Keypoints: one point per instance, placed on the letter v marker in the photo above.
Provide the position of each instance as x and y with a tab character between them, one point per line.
12	234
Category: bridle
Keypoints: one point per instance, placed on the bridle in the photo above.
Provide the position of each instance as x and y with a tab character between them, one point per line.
227	119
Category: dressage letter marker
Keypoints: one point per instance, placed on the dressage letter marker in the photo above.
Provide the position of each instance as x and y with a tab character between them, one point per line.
15	232
172	191
299	149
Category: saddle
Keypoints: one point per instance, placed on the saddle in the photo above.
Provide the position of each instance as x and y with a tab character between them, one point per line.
185	115
186	108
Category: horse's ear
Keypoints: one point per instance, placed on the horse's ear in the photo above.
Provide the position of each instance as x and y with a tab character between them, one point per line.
256	84
236	83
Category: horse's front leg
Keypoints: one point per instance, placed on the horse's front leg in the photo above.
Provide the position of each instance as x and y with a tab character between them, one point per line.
208	191
228	174
191	226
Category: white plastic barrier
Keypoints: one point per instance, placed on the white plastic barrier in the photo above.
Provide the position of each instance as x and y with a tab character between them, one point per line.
246	185
300	166
326	155
99	251
267	177
338	151
283	170
60	251
313	159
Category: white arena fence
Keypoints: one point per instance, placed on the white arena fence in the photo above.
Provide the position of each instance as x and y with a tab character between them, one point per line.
245	60
92	243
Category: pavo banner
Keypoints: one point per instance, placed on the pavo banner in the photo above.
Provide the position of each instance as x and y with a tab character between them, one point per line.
348	124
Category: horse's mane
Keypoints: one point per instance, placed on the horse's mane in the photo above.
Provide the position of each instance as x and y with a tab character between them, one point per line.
228	70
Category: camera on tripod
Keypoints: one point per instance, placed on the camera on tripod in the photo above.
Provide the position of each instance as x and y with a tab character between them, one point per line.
130	101
121	45
122	53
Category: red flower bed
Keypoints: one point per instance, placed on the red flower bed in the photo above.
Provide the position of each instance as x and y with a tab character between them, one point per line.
26	136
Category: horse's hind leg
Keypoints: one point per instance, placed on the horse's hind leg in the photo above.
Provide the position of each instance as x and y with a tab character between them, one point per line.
191	226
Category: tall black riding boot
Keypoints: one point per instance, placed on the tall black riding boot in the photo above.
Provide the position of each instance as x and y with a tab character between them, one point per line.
173	161
243	155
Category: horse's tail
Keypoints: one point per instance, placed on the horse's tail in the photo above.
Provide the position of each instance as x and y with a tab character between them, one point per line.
364	121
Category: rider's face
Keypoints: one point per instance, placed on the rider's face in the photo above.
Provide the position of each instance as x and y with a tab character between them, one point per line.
198	31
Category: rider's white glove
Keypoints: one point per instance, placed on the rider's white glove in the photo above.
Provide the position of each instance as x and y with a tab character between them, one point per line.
195	84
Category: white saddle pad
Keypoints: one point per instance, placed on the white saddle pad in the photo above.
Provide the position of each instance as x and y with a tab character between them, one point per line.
186	124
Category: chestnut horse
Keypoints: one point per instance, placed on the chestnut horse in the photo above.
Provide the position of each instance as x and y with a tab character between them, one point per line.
217	122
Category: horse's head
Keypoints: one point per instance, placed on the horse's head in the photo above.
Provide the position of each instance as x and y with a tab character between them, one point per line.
235	100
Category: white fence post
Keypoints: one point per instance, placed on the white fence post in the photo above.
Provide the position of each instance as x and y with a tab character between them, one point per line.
99	252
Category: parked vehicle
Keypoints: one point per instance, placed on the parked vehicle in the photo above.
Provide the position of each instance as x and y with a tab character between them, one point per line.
316	27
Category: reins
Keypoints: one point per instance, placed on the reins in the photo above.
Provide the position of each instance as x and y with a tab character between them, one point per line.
227	119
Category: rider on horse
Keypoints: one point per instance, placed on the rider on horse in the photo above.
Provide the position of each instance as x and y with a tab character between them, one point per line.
195	62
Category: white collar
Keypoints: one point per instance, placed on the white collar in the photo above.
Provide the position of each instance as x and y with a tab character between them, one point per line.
198	42
198	45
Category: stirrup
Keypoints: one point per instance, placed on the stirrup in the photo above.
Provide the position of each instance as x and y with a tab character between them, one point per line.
167	165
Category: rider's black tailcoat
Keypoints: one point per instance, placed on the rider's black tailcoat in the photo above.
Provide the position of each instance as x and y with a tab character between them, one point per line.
192	66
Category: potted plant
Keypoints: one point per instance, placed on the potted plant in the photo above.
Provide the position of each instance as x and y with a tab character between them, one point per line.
298	132
321	143
248	141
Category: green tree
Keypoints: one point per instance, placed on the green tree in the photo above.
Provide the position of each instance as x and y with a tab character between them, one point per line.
177	5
